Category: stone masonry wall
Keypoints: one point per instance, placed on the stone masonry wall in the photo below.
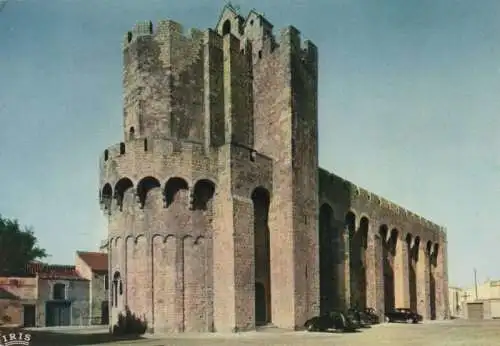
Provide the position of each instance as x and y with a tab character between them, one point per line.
163	82
178	295
417	241
285	112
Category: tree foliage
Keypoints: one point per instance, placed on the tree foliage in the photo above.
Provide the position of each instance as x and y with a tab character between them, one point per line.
18	246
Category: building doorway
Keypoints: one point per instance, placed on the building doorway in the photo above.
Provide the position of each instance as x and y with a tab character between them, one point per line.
260	304
57	314
29	317
262	255
105	312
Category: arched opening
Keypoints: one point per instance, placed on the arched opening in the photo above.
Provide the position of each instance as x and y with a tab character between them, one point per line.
121	187
388	273
432	254
172	189
435	253
328	254
106	155
393	241
411	244
203	192
226	27
351	246
415	251
262	251
106	195
131	133
143	188
117	288
122	148
362	241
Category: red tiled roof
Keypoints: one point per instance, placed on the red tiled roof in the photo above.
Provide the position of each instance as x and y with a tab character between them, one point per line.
97	261
53	271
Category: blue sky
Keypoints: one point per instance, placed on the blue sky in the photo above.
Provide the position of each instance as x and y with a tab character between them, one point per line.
409	101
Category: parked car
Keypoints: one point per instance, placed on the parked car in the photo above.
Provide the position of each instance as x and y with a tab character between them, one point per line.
359	318
403	315
335	320
372	315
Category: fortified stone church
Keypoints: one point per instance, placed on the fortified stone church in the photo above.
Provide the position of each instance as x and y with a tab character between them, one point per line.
220	218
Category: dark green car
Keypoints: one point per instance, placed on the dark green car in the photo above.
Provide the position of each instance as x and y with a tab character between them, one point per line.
334	320
359	318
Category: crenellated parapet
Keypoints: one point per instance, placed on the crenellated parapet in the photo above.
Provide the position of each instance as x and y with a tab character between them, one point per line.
306	51
366	202
151	146
255	28
160	158
153	161
168	32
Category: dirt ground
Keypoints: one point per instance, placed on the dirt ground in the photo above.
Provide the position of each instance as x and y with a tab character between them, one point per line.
457	332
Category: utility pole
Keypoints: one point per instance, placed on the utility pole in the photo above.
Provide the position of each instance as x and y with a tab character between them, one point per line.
475	282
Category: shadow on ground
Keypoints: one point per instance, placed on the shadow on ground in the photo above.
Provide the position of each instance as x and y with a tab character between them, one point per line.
69	338
335	331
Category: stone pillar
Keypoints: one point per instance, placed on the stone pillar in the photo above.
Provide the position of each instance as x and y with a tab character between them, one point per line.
374	273
423	282
110	293
446	292
179	286
244	263
401	274
340	269
124	261
379	256
347	271
441	288
148	285
234	263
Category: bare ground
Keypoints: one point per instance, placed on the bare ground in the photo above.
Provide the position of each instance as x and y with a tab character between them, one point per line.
453	333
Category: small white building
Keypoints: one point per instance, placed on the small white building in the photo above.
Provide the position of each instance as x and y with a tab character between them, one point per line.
456	300
481	302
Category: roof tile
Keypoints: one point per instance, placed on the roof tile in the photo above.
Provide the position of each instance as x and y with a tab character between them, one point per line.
97	261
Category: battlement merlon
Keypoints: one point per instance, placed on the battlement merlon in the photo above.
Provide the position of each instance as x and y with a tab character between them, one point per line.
358	192
163	30
290	37
263	40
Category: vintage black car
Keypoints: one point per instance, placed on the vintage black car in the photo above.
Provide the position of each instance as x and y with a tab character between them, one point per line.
403	315
335	320
359	318
372	315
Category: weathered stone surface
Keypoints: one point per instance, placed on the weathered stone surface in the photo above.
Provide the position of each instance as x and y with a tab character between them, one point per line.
214	195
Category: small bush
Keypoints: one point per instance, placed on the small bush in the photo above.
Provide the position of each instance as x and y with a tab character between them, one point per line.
129	324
